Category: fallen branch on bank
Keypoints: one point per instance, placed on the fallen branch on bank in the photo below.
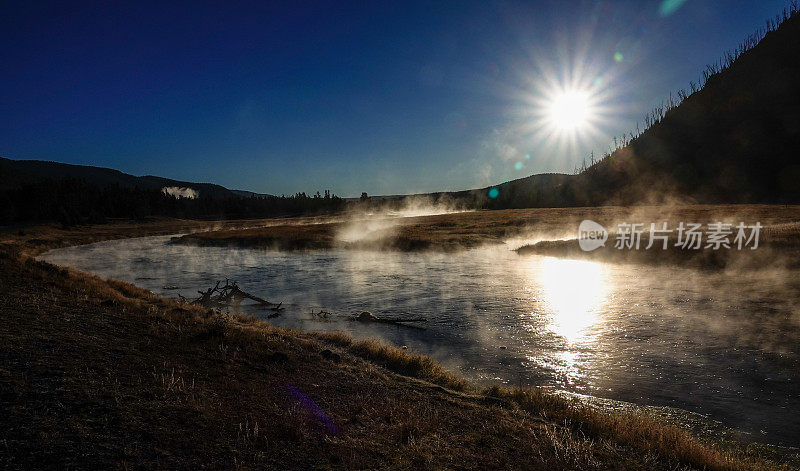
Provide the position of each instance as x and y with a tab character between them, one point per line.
229	293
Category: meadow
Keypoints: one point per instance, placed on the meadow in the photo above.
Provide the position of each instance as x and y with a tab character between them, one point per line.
546	231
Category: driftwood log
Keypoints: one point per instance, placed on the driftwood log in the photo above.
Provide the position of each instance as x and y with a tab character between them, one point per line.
229	293
367	316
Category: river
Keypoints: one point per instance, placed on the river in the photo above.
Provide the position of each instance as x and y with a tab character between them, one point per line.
722	344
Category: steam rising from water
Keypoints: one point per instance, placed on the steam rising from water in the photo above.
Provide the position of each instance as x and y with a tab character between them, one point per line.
372	224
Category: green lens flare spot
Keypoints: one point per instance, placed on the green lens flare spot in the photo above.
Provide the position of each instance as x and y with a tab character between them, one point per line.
669	7
493	193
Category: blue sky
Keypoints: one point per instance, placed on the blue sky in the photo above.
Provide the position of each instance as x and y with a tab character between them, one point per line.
382	97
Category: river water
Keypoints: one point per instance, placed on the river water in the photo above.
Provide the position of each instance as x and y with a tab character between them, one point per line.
725	345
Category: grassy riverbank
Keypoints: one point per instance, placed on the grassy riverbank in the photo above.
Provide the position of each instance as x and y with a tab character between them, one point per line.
778	246
99	373
458	231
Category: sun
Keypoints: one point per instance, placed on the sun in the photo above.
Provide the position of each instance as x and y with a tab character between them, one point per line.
565	110
569	110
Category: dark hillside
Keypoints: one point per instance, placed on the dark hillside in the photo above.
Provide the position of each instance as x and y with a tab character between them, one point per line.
735	140
36	191
15	173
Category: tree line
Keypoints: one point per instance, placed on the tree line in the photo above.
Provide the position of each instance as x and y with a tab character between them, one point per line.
72	201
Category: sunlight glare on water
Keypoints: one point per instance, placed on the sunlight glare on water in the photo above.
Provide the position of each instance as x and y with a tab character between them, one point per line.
575	291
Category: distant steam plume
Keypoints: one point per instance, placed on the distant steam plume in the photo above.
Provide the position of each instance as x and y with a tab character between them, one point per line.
179	192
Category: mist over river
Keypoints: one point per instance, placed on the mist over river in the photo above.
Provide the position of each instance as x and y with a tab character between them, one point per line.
722	344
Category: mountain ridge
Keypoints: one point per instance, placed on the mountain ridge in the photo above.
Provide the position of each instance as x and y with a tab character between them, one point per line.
15	173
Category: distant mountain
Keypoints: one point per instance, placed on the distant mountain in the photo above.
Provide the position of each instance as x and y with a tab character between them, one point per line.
540	190
15	173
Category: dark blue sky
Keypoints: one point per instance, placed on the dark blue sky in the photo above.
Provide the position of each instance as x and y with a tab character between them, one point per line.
383	97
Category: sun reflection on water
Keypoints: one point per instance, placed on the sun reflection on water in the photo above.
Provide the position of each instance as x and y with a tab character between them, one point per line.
574	292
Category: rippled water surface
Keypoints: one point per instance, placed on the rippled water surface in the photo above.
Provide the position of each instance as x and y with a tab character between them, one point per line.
722	344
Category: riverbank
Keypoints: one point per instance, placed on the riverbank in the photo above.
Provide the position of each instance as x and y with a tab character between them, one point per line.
101	373
32	240
465	230
778	246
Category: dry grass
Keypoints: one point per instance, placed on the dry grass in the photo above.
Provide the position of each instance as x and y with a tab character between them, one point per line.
778	245
457	231
446	232
634	429
282	237
396	360
33	240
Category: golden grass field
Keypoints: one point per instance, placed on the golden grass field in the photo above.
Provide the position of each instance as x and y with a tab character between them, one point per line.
99	373
522	227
